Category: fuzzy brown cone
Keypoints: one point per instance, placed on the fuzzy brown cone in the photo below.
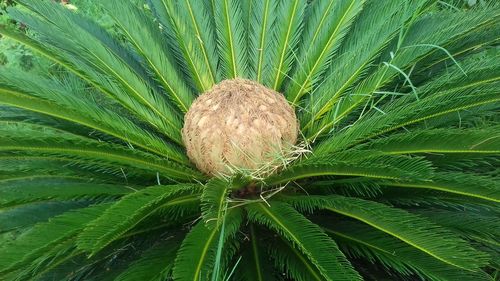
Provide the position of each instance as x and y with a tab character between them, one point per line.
238	124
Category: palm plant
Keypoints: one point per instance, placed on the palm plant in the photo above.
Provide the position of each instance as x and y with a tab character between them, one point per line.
394	177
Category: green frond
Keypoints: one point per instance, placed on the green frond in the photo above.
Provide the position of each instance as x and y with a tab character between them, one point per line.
358	240
22	191
196	257
325	27
294	264
128	212
214	201
484	140
368	36
90	49
29	138
473	225
255	258
285	37
14	221
187	25
14	166
464	184
475	70
47	261
383	167
415	231
69	102
154	264
147	40
424	198
409	50
306	237
262	15
45	236
407	111
351	187
231	39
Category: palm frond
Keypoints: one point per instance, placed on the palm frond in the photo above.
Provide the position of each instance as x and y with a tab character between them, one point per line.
154	264
129	212
464	184
306	237
286	34
415	198
370	34
359	240
383	167
260	39
20	166
196	257
320	42
214	201
45	236
89	48
410	48
473	225
52	97
14	221
484	140
255	259
293	263
22	191
183	20
231	39
396	116
416	231
32	139
148	42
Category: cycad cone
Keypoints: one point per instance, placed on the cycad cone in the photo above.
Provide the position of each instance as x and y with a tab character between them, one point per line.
239	125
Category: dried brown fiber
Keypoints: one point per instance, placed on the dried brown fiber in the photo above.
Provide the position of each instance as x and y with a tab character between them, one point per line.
238	124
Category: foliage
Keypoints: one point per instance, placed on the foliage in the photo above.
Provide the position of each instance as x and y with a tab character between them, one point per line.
398	102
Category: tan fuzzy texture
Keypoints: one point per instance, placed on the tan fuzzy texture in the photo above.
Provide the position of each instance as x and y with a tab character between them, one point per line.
238	124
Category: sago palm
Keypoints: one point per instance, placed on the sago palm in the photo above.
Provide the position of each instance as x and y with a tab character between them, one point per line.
331	140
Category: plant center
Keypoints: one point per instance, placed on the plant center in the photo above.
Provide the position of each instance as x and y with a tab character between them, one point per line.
239	126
